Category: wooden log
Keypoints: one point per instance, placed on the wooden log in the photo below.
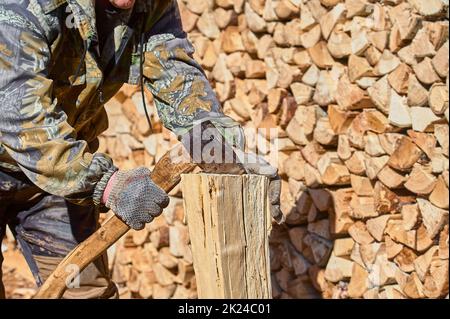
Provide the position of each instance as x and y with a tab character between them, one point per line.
358	67
340	220
359	282
425	72
312	152
440	61
420	181
320	56
338	269
417	94
358	231
208	207
441	131
376	226
426	142
405	155
380	94
343	247
438	98
434	218
440	195
329	20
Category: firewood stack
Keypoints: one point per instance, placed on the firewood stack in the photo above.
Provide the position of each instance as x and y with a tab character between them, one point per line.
359	93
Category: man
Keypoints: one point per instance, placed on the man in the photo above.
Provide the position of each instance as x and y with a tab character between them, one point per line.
60	61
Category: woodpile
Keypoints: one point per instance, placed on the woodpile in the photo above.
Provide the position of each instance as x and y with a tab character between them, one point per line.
358	90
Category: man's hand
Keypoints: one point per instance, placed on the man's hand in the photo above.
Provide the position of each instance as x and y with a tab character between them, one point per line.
255	164
202	139
135	198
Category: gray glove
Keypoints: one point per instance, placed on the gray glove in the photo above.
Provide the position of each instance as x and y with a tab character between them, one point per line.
255	164
135	198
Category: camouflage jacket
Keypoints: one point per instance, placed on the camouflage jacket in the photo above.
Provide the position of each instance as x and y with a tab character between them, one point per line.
54	81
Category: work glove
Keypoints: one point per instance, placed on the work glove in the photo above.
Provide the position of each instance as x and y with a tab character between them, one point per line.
256	164
134	197
242	163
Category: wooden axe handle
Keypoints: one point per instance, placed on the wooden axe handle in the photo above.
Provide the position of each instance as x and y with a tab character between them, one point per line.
166	175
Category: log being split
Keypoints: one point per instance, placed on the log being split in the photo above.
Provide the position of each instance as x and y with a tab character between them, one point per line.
229	224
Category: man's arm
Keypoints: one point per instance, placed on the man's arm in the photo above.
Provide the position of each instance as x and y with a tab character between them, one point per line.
184	97
33	127
183	94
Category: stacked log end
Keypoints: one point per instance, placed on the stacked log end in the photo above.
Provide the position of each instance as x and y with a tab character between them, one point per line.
359	93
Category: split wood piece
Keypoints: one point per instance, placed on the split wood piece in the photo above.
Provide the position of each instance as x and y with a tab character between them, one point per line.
434	218
254	21
312	152
399	78
440	61
338	269
441	131
320	56
356	164
362	207
361	185
414	288
417	94
423	262
389	141
405	260
329	20
343	247
373	165
325	91
420	181
440	195
443	243
358	8
387	201
294	166
372	145
358	282
332	170
391	178
405	155
345	151
388	63
428	8
423	119
323	133
358	231
358	67
410	216
438	98
426	142
286	10
380	94
296	236
339	45
350	97
399	111
205	203
425	72
376	226
436	281
340	220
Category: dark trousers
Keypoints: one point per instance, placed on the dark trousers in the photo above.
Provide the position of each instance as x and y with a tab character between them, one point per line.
47	228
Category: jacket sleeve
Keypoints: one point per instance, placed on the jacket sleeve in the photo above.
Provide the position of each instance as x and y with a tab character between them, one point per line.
33	127
183	94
